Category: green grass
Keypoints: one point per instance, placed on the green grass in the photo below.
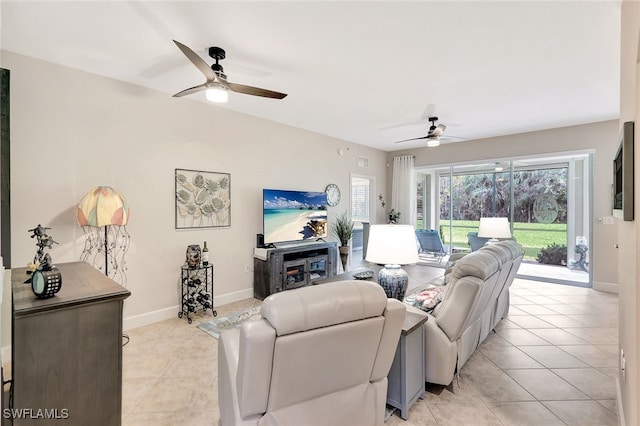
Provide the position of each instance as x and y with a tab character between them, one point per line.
532	236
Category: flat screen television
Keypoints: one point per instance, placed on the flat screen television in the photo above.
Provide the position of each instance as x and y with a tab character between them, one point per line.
293	215
623	175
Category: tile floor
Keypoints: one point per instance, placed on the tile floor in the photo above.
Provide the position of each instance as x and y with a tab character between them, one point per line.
552	361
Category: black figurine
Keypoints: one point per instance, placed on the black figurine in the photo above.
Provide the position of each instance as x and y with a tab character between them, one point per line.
42	261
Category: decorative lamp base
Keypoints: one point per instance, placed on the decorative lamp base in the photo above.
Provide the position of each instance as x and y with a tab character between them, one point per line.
491	241
394	280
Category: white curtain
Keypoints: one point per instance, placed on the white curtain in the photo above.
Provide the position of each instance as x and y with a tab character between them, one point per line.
403	191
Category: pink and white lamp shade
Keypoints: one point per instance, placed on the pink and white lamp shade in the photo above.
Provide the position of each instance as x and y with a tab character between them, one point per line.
103	206
392	246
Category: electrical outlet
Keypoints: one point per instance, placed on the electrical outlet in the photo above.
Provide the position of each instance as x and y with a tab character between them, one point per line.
623	366
248	268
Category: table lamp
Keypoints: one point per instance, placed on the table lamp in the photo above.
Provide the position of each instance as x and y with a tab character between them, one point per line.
494	228
392	246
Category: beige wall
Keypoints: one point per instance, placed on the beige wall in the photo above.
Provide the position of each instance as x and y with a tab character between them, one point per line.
629	233
72	131
601	138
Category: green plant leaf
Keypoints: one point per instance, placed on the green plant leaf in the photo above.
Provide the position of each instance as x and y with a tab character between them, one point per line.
203	196
224	183
218	204
183	196
211	185
342	228
207	209
191	208
198	181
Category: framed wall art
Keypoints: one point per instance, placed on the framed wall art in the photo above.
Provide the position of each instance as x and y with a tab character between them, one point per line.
623	175
203	199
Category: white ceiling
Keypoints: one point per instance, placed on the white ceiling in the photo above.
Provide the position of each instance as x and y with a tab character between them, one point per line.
353	69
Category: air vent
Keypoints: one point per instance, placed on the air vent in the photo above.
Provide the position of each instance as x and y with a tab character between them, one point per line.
363	162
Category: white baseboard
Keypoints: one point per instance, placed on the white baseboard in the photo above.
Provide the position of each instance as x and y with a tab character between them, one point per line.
225	299
621	421
147	318
606	287
150	317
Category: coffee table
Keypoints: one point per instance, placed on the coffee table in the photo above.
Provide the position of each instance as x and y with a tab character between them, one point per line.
349	275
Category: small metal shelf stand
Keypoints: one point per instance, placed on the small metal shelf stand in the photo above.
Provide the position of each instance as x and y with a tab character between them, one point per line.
196	292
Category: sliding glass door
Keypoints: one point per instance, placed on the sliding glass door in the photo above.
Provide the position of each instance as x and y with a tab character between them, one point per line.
545	200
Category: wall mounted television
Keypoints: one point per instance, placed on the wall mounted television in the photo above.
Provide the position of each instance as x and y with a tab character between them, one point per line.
289	216
623	172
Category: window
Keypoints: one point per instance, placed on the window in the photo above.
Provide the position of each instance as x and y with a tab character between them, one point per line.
360	200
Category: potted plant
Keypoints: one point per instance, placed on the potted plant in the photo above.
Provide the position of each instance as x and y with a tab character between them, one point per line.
342	228
394	216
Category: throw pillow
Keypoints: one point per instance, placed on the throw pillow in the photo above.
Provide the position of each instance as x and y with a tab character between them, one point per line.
426	299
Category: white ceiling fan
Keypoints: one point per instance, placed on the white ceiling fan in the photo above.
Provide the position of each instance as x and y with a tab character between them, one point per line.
216	85
434	135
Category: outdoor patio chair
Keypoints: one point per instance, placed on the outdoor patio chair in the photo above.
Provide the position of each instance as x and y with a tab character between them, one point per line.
430	243
475	242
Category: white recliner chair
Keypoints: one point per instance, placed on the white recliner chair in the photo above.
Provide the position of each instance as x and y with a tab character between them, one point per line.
319	355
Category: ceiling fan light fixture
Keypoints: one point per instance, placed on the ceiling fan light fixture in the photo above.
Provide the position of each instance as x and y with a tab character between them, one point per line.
433	142
217	94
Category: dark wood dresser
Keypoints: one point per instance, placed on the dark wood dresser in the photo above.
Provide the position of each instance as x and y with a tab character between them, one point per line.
67	350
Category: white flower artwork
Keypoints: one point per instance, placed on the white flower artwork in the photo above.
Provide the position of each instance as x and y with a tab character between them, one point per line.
203	199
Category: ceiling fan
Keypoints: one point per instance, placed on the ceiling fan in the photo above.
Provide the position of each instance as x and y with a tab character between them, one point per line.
217	87
433	137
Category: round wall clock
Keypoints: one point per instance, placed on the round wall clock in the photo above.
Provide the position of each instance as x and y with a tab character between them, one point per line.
333	194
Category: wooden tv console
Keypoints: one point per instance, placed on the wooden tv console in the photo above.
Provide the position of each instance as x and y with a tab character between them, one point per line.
292	266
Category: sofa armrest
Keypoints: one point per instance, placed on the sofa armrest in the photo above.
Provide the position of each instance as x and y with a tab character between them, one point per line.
257	339
233	388
394	318
228	344
440	354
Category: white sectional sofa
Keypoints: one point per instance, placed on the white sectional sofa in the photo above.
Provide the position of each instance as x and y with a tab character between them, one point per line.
474	300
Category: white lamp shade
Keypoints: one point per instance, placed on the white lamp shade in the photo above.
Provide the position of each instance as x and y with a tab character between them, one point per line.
494	227
392	245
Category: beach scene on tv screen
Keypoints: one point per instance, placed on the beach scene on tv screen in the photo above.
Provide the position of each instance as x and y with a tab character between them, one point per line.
294	215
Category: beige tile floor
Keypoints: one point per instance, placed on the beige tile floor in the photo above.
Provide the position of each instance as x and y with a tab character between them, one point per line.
552	361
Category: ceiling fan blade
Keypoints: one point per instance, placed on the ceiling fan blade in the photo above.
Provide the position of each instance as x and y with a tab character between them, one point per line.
450	138
424	119
197	61
255	91
191	90
414	139
428	112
